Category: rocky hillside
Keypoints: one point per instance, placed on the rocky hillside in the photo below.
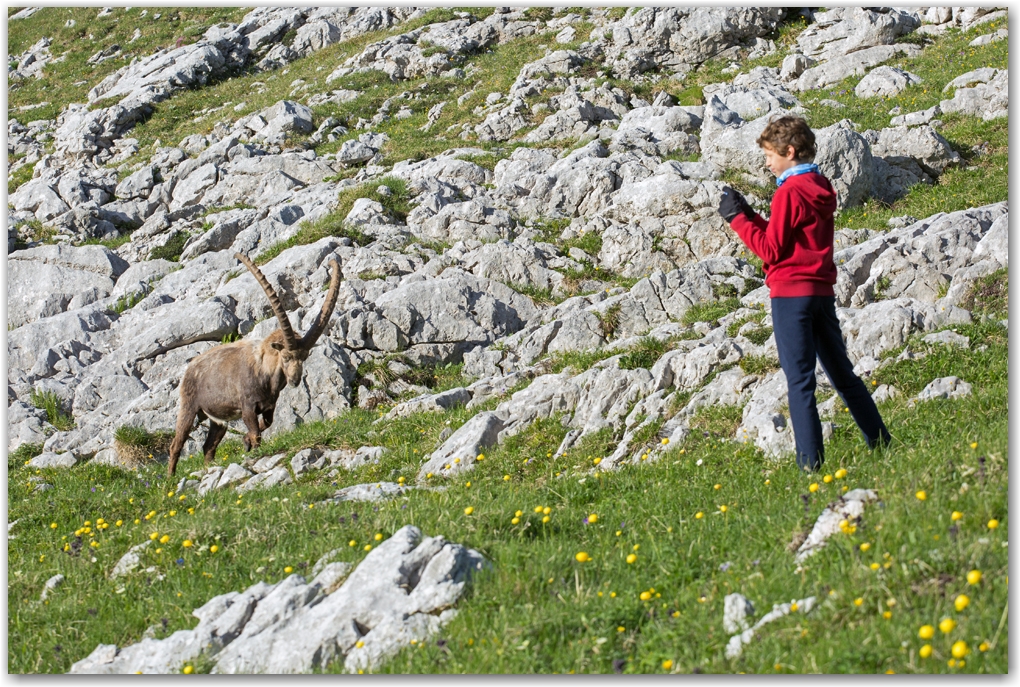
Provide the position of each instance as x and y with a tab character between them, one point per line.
538	296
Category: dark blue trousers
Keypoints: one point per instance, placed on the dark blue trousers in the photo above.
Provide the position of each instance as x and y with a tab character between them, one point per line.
806	328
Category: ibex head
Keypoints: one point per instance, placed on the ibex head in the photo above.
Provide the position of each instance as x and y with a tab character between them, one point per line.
293	351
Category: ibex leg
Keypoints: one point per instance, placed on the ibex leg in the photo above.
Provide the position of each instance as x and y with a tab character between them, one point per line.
185	422
215	436
254	436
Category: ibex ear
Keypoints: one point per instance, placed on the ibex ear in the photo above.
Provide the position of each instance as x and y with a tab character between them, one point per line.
277	346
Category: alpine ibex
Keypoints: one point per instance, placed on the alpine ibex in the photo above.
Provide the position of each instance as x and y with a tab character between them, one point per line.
243	379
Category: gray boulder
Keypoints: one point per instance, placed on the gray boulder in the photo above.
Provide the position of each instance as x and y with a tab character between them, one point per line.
26	424
40	198
430	403
283	119
502	124
84	135
845	159
763	422
354	151
948	338
668	129
376	491
233	474
48	280
521	263
915	118
190	189
846	30
272	478
918	260
138	184
885	325
53	460
988	100
459	453
402	590
154	78
307	460
855	63
755	94
579	183
885	81
982	75
456	307
678	39
922	144
944	387
31	343
477	218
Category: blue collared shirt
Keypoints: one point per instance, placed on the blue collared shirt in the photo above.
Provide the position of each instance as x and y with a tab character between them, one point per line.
802	168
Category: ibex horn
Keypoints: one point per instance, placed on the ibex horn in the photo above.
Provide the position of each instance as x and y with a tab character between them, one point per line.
313	334
281	316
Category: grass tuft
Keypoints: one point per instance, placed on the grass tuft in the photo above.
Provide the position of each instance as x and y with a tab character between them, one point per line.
54	407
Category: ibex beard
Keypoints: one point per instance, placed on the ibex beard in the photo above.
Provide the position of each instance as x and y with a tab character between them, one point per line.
242	380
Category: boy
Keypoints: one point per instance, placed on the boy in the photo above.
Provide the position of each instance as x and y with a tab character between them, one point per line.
795	246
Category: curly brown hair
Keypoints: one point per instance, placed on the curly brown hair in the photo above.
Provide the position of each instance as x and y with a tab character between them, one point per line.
789	131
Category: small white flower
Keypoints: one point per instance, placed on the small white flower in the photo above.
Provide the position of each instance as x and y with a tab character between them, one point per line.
699	462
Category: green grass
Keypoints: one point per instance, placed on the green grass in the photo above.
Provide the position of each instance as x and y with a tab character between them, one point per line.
127	301
20	176
334	223
435	378
645	354
23	453
759	336
112	244
538	609
36	231
498	67
731	330
54	407
542	296
536	592
990	295
758	364
131	435
984	178
710	312
609	320
578	361
61	83
172	249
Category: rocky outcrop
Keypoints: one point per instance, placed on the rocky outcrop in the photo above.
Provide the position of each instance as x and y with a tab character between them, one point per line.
679	39
987	98
428	51
847	41
403	590
444	279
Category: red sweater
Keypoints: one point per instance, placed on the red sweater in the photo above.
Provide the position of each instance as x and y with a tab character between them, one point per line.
795	245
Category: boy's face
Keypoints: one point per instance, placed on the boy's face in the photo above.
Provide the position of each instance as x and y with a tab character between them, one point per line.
780	162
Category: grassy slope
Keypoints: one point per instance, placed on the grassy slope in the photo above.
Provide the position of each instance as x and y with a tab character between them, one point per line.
91	34
540	610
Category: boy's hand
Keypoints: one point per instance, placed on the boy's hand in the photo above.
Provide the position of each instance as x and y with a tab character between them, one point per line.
732	204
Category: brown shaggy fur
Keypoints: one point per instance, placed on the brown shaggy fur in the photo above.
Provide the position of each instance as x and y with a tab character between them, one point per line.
242	380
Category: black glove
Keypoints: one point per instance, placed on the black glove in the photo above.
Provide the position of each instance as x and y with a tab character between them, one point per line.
732	204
